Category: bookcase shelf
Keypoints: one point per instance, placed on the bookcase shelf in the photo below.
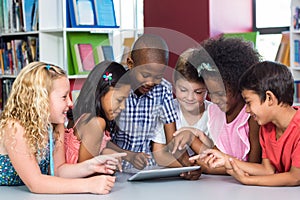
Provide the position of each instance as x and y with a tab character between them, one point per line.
12	34
54	30
295	47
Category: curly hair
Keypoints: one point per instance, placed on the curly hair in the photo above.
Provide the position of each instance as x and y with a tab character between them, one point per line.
28	104
232	56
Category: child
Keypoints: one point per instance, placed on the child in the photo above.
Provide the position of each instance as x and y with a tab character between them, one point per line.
221	62
149	104
32	136
101	99
190	103
267	89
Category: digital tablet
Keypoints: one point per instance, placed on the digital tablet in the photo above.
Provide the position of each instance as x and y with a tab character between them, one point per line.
161	173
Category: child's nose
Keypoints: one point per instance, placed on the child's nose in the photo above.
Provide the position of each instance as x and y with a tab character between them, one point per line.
247	109
191	95
69	102
122	105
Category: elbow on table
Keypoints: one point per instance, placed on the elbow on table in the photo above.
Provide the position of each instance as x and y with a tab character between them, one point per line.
34	186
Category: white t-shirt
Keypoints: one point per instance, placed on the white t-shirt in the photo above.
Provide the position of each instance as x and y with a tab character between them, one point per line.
181	122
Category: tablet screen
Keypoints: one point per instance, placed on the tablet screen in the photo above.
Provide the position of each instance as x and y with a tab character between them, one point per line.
161	173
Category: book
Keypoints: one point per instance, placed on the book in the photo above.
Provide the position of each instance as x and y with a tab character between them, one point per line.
127	43
1	61
85	12
105	52
35	17
283	52
20	62
81	38
81	13
5	16
32	47
85	57
28	7
20	15
6	88
108	52
73	13
100	54
1	16
105	13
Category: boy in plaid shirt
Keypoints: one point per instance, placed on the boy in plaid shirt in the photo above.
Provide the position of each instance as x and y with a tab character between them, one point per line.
149	106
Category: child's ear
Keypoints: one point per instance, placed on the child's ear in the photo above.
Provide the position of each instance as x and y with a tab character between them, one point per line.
270	98
130	62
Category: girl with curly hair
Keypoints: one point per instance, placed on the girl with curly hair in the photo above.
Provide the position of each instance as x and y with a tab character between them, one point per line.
221	62
32	136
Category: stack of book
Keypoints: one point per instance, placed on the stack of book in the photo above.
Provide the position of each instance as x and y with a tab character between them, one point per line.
91	13
87	50
17	53
18	15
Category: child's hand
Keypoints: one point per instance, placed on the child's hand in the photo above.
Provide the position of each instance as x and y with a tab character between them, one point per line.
106	163
182	138
108	151
100	184
213	158
236	172
195	131
139	159
192	175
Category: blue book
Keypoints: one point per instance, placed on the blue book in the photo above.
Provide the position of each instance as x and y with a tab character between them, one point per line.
108	52
28	8
81	13
296	48
105	13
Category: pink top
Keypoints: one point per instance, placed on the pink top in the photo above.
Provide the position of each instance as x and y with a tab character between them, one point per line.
72	144
232	138
284	152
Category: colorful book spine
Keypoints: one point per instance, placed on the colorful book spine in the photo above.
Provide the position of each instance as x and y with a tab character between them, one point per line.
296	52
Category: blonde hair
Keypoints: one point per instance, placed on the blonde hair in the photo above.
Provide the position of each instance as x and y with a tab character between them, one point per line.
28	104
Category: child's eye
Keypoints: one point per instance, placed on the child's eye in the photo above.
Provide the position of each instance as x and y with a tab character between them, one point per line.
158	77
65	97
120	100
145	75
199	92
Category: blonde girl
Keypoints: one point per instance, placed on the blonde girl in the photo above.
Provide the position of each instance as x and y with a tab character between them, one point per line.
31	137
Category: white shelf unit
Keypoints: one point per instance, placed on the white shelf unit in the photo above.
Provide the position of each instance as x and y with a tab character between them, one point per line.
295	35
53	30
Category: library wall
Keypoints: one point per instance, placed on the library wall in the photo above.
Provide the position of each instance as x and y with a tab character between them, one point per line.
198	20
226	18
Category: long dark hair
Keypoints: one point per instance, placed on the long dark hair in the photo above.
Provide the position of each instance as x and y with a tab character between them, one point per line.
96	86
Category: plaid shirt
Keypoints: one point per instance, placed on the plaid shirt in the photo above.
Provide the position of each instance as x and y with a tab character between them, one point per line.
140	119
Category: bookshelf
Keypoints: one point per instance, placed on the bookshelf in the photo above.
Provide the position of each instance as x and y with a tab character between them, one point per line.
295	47
54	31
